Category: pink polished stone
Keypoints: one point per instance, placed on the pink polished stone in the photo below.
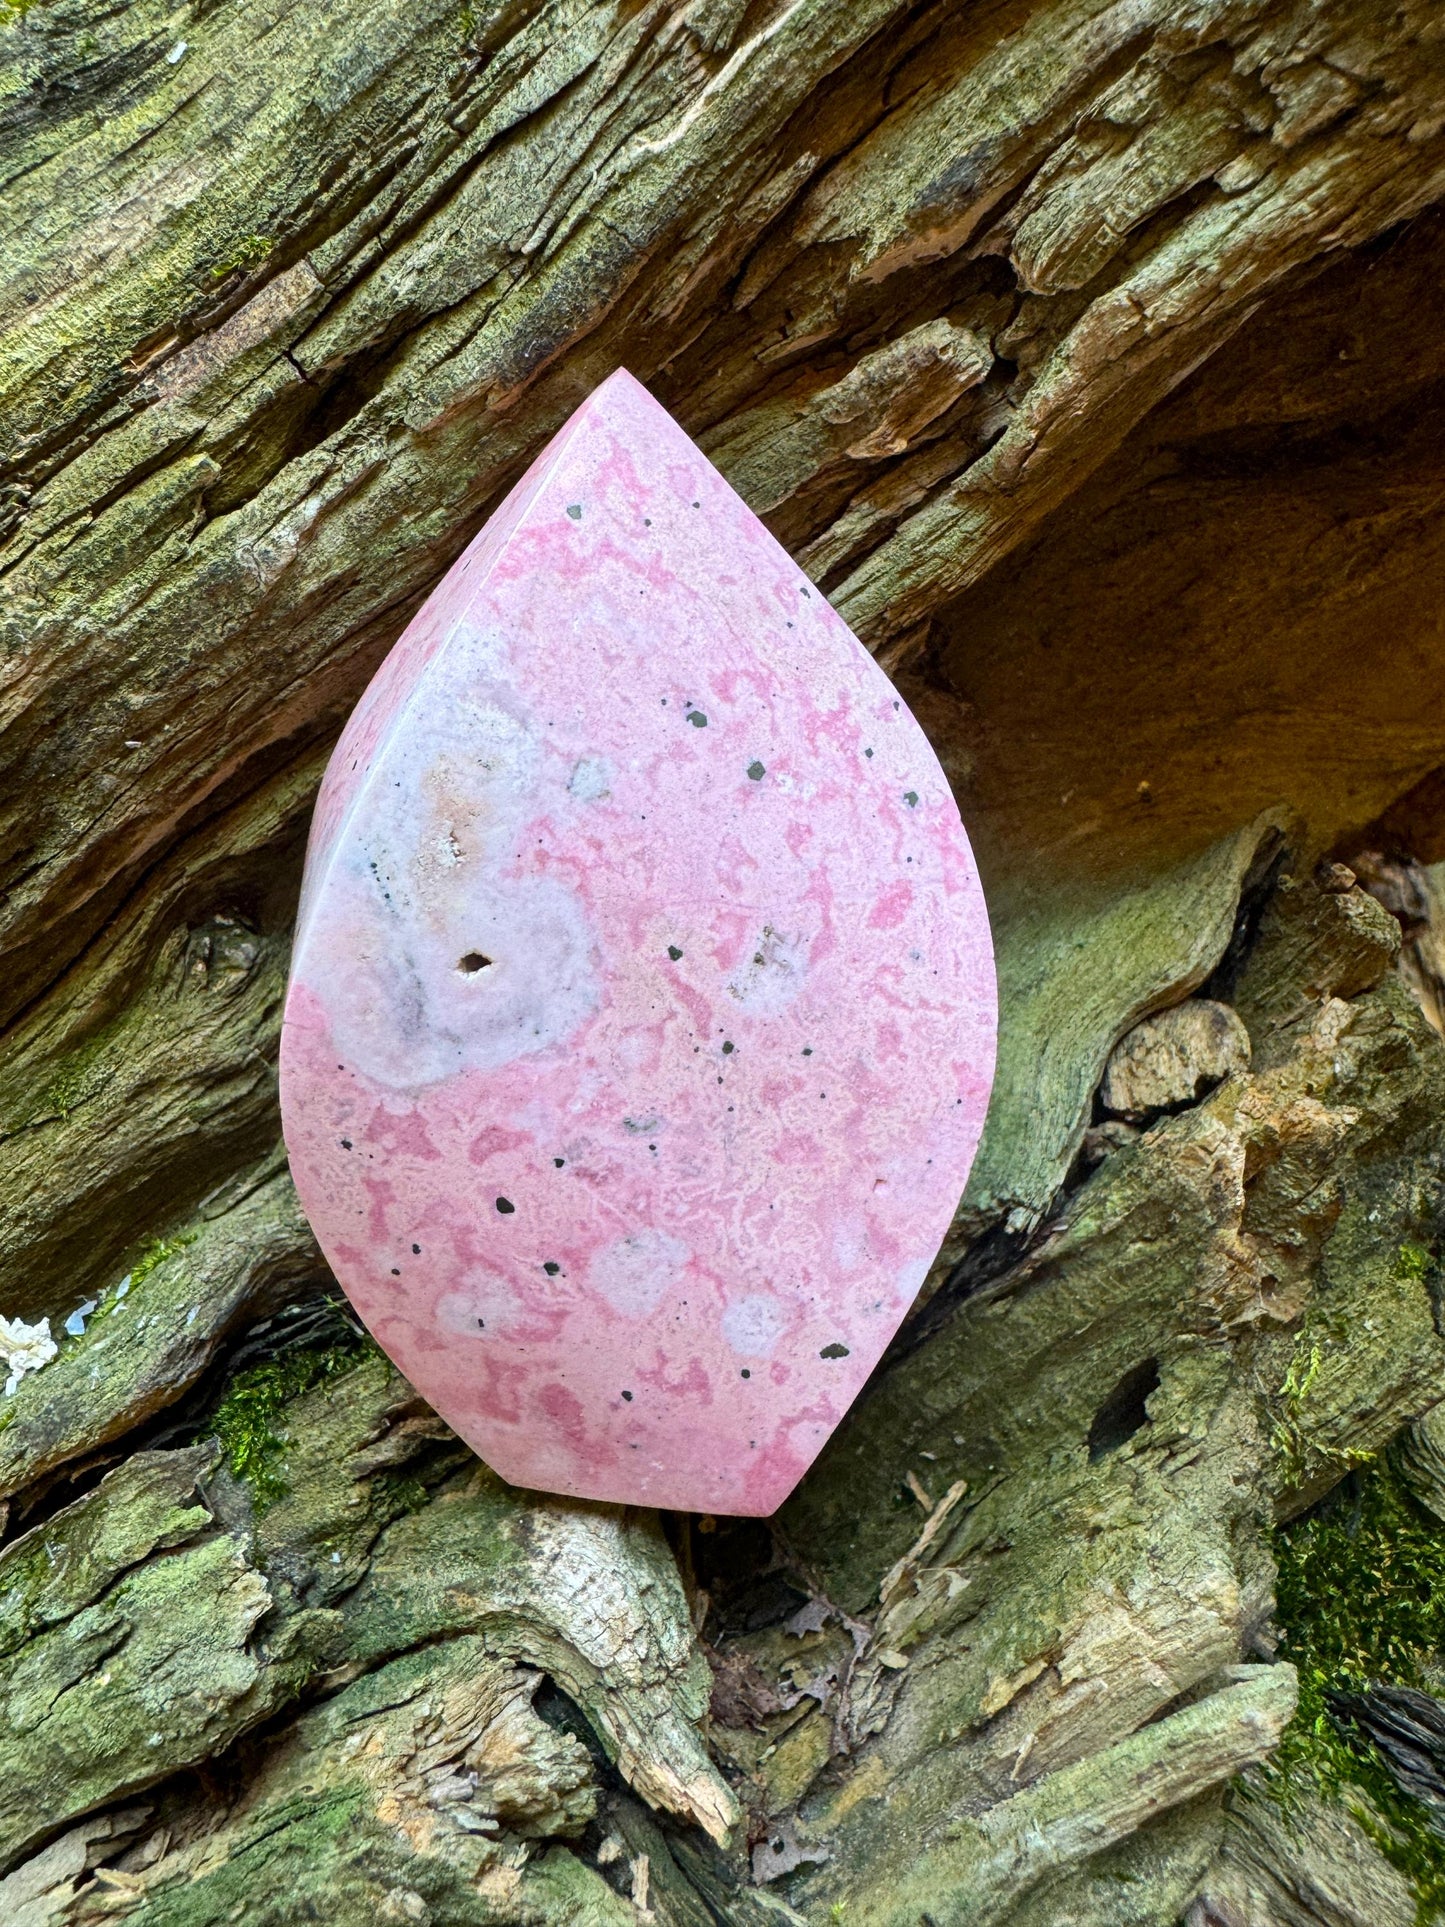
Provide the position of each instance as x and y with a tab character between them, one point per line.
641	1021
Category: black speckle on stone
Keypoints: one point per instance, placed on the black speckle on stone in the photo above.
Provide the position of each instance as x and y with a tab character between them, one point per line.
697	719
746	1373
697	505
416	1251
728	1048
481	1324
867	752
394	1272
757	772
674	953
910	797
628	1397
505	1206
835	1350
559	1162
807	1050
574	509
346	1144
551	1267
647	524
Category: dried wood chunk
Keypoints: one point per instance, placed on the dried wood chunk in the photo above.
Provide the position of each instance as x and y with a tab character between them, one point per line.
1312	944
1173	1059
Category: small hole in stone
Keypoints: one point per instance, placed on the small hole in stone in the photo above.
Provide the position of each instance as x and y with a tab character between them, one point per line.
473	962
1125	1411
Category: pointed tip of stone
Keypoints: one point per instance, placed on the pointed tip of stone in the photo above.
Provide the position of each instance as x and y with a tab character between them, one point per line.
622	398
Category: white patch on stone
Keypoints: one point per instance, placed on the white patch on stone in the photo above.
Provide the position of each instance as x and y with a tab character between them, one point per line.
405	1013
911	1277
753	1325
848	1244
482	1306
591	781
635	1272
420	881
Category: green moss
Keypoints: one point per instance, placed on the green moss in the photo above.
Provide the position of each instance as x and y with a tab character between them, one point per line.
1361	1601
1289	1438
248	1421
300	1846
1414	1261
158	1252
248	252
83	1071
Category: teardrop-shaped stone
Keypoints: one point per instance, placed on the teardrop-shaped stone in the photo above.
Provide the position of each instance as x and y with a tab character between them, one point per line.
641	1019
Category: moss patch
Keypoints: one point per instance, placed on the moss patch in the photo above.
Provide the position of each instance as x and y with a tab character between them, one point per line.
1361	1602
1288	1437
158	1252
248	1420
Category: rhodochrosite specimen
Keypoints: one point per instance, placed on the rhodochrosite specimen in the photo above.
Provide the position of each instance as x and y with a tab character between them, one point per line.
641	1022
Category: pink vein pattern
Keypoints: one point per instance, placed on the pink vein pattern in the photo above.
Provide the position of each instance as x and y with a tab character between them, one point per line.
641	1019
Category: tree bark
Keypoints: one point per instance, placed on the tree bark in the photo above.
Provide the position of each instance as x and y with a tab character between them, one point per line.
1085	353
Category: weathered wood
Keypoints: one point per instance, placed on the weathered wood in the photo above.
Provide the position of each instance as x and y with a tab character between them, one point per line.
1174	1059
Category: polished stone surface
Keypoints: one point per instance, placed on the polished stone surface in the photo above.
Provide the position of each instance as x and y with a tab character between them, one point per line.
641	1020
